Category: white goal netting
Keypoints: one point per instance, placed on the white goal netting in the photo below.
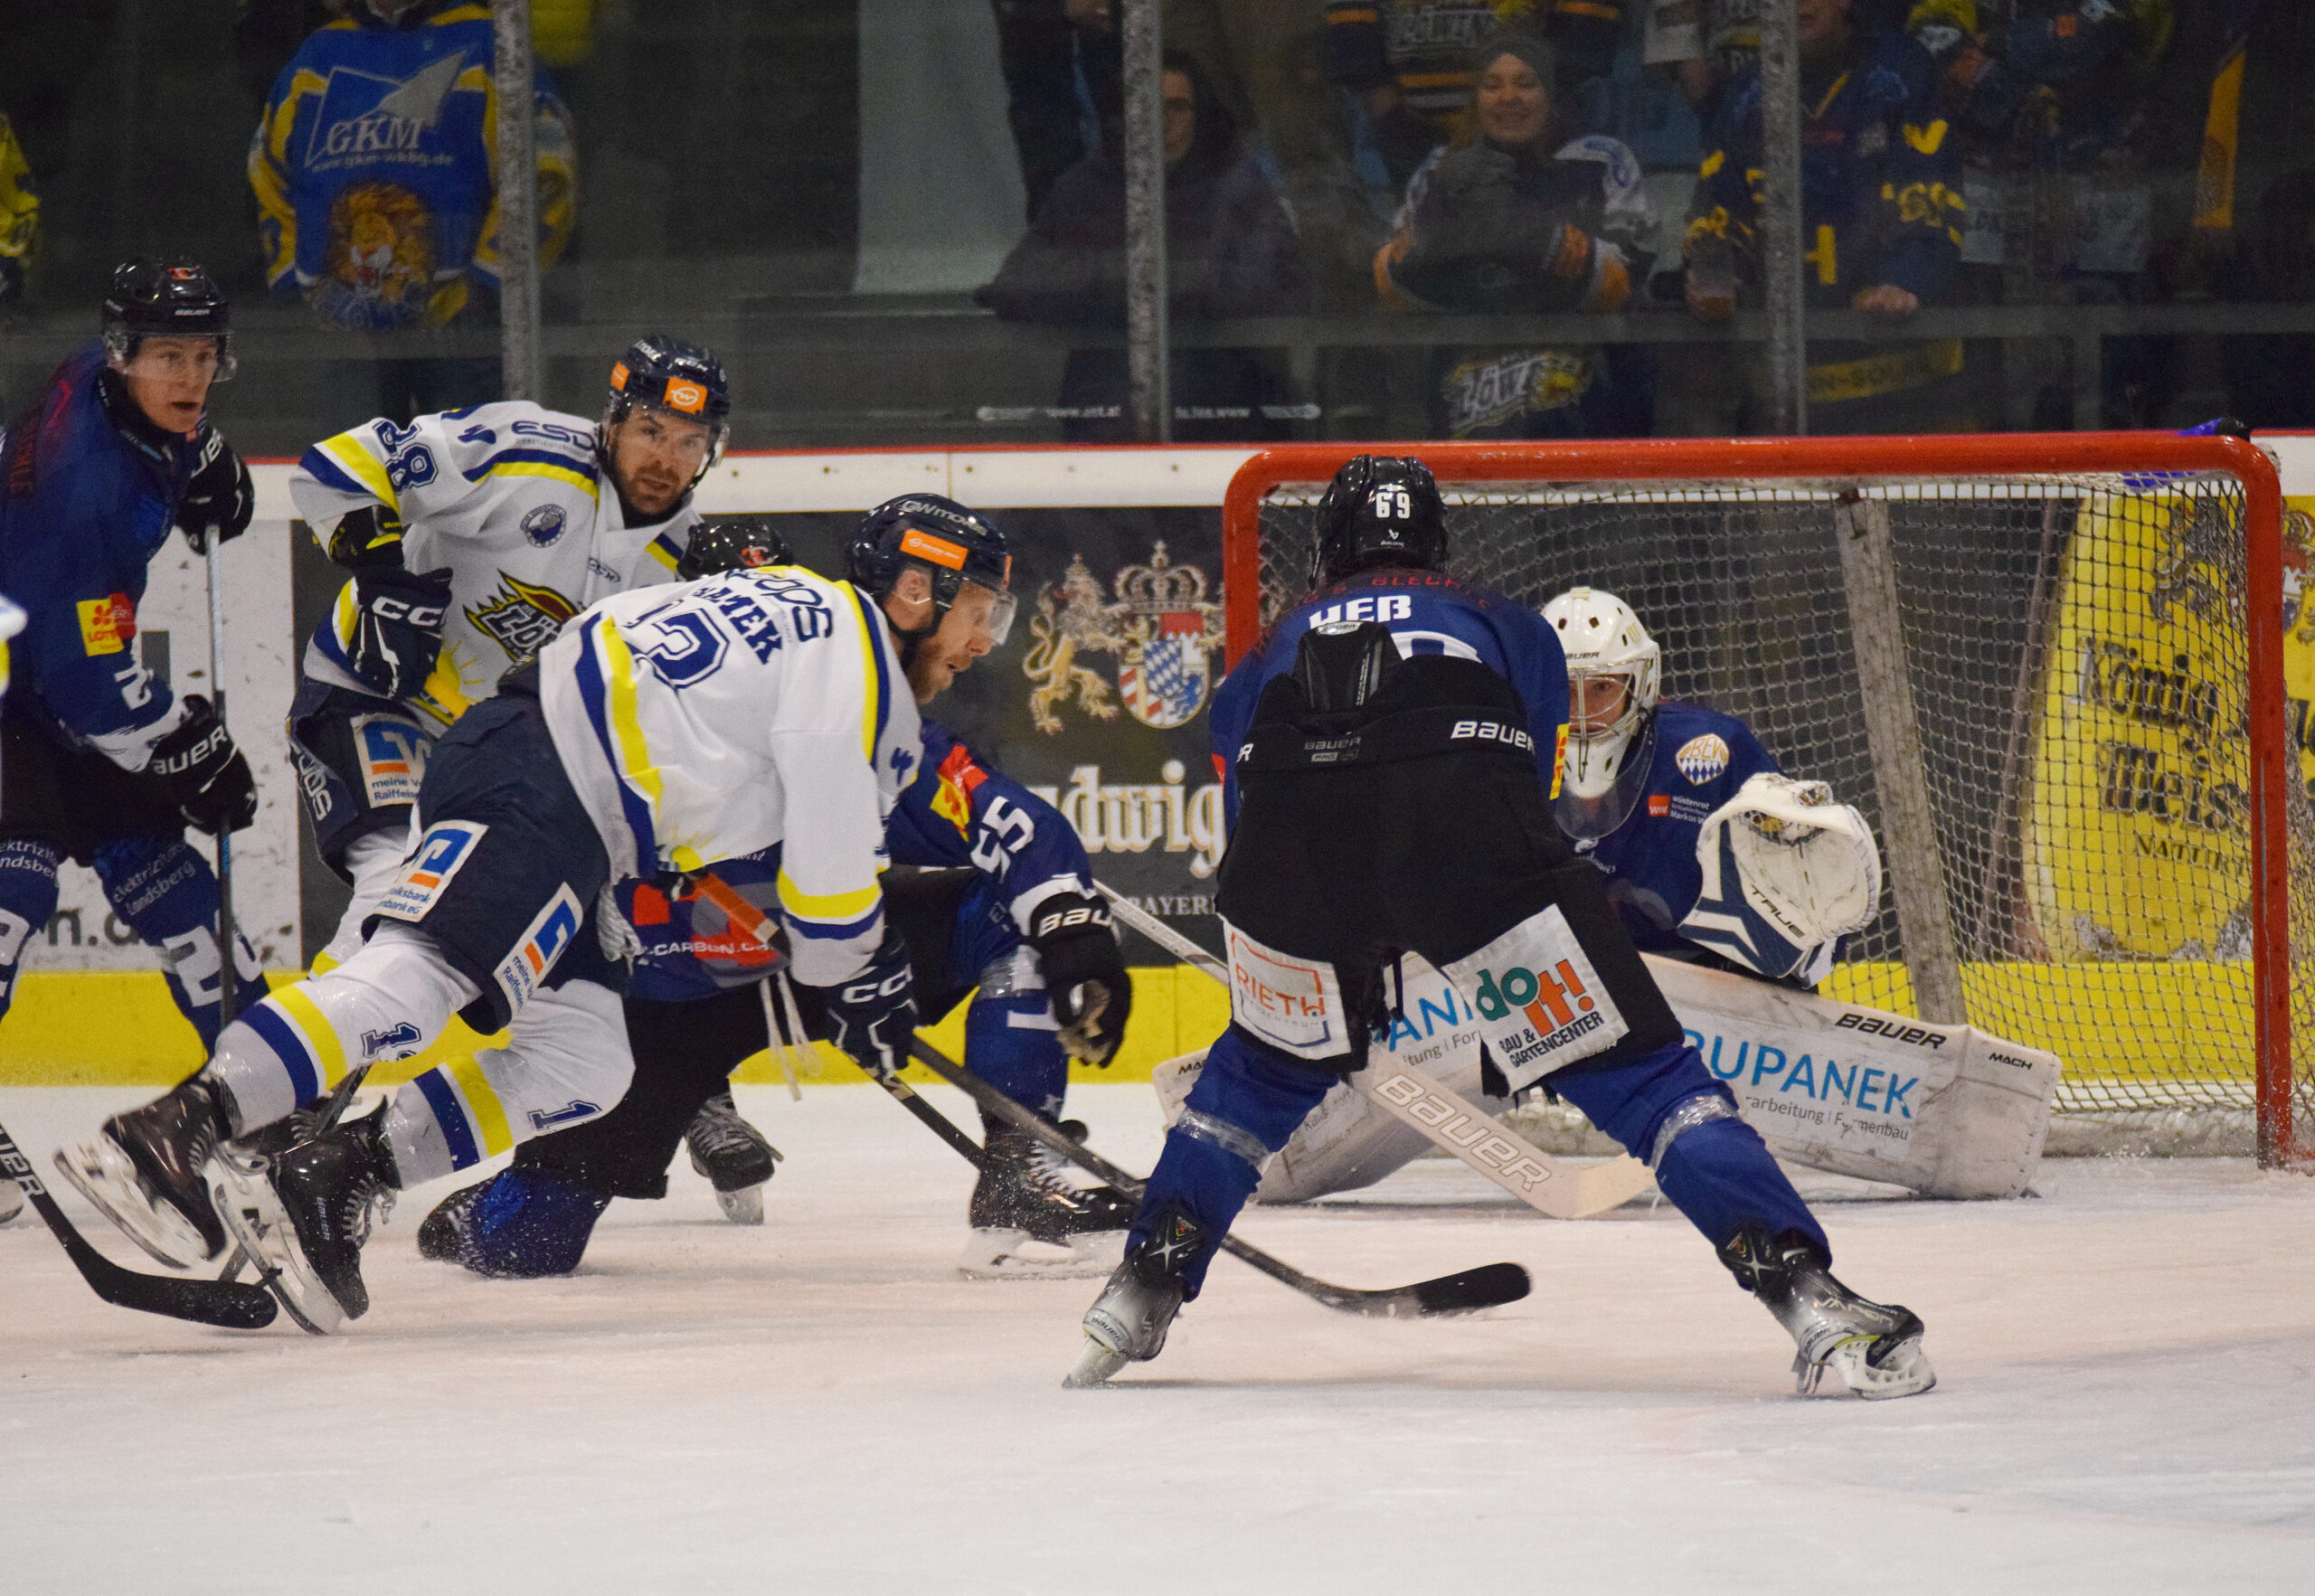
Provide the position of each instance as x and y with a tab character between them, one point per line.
2076	656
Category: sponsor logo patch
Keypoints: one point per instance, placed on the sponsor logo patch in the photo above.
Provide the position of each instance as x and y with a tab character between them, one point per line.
1538	998
1287	1001
442	854
924	545
523	971
1895	1030
691	398
107	625
393	755
545	524
1660	803
1701	759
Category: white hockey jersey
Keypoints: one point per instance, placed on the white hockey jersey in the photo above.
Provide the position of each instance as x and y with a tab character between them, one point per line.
512	500
706	721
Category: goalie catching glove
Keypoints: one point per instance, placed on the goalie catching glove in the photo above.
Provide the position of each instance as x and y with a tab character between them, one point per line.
201	771
1787	874
1084	972
873	1016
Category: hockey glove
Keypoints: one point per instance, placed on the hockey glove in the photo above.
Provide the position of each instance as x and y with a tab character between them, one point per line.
367	539
219	496
1084	971
397	627
873	1016
203	773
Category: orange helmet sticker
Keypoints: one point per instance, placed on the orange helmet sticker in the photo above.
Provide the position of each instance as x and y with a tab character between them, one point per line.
939	550
618	376
691	398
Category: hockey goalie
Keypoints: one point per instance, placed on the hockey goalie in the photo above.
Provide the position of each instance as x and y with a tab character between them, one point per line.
1737	883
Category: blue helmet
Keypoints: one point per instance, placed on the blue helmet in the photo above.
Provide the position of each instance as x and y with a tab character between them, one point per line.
664	373
949	544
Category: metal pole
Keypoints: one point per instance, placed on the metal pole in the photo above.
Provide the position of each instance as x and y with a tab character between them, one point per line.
1780	219
518	201
1150	409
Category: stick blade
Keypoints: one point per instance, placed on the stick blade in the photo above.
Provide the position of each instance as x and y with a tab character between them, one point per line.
228	1306
1489	1285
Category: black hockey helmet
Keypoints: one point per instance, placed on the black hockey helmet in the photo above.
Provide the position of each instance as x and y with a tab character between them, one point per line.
1379	510
167	300
742	544
664	373
949	544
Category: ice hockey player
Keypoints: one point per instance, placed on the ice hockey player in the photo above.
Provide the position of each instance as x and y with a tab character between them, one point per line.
104	764
1393	693
1004	903
1653	790
665	728
472	537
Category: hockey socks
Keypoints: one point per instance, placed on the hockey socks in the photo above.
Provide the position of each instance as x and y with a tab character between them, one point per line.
388	1001
1244	1107
1667	1109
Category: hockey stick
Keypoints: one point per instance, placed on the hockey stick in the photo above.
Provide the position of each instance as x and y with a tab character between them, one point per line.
1488	1286
204	1302
1446	1120
228	967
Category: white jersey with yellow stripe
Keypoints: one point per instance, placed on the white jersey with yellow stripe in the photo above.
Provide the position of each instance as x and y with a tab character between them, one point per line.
710	719
512	501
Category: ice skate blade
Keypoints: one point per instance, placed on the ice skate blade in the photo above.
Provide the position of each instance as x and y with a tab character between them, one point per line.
100	1171
254	1217
745	1206
1015	1255
1904	1371
1095	1365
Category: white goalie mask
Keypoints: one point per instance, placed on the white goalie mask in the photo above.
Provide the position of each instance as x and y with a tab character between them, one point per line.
1615	674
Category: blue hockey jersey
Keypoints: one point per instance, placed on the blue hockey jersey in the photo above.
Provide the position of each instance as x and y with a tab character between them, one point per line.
375	169
1426	613
83	509
1696	761
958	811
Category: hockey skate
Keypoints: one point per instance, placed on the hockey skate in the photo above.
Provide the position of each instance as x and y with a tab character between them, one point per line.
1874	1348
1029	1220
144	1173
1127	1322
303	1219
733	1155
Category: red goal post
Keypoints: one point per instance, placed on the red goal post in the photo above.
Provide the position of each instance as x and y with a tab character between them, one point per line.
2000	551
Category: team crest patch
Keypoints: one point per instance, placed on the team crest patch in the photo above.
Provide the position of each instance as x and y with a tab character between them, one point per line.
392	754
442	854
1701	759
1162	628
522	616
523	971
545	524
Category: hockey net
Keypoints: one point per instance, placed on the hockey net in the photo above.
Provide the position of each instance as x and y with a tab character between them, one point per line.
2117	863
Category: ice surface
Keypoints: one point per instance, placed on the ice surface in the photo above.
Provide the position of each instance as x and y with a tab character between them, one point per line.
2126	1401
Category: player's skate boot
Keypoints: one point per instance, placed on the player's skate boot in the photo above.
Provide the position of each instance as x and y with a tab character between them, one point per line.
1874	1348
733	1155
1028	1218
1128	1320
303	1220
142	1171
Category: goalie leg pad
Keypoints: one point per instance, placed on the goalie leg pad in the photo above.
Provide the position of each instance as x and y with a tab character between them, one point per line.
1710	1164
1247	1102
